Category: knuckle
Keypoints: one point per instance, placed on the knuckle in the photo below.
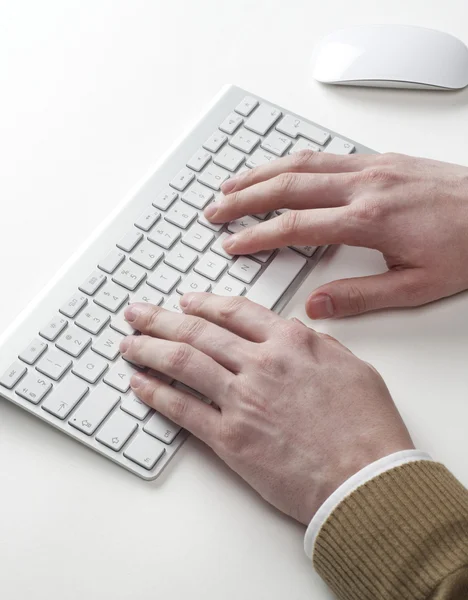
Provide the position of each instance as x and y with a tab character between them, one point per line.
190	329
389	158
269	361
177	409
297	335
303	158
288	222
284	184
380	174
177	358
230	308
368	209
356	300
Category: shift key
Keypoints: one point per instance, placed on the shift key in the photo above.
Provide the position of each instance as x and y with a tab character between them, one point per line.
95	408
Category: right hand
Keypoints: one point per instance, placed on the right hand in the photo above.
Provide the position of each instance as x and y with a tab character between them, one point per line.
413	210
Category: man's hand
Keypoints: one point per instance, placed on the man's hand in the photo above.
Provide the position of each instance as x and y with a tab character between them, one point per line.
296	412
413	210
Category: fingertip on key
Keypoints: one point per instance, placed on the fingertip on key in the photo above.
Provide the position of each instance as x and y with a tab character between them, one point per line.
229	185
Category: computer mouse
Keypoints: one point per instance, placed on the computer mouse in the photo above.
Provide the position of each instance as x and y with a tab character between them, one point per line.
397	56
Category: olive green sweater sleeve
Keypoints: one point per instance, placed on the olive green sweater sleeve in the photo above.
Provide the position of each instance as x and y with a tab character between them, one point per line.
401	536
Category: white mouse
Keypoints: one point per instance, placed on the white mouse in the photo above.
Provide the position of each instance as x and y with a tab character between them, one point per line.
397	56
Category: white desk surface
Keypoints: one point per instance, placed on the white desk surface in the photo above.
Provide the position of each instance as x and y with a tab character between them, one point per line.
91	93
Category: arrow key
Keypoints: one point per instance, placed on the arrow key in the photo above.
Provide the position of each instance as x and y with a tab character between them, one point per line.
117	430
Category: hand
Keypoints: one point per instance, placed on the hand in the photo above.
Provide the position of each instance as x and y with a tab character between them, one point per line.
298	412
413	210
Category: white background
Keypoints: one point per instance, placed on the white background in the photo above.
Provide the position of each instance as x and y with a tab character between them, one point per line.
91	93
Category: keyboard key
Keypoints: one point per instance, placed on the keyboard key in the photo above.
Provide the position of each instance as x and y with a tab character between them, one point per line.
303	144
244	140
93	283
54	364
213	176
161	428
111	296
182	179
129	275
33	388
199	160
13	374
215	141
181	214
53	329
165	198
194	283
94	409
90	367
117	431
173	303
164	279
73	306
210	266
63	399
135	407
339	146
164	234
130	240
147	219
218	246
145	451
241	224
107	344
93	319
229	158
35	349
247	105
181	258
244	269
110	263
294	127
228	286
197	237
260	157
74	341
120	374
263	256
147	294
213	226
147	255
231	123
277	143
120	324
264	117
198	195
306	250
276	278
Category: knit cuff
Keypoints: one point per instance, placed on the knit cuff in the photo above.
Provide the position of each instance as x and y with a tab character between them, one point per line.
397	536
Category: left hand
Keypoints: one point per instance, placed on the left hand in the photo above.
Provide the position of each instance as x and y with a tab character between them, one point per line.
298	412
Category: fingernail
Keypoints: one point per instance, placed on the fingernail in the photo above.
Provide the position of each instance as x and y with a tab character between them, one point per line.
212	209
137	381
185	300
229	185
125	344
229	242
131	313
320	307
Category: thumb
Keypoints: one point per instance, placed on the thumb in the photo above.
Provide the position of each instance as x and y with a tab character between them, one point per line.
357	295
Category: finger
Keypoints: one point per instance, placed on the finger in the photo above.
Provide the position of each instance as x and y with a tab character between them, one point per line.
305	161
222	345
362	294
247	319
316	227
288	190
179	406
179	361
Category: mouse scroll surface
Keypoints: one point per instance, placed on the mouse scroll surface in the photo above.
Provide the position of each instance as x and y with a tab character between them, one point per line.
392	56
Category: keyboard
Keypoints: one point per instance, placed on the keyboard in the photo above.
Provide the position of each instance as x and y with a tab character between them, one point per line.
60	361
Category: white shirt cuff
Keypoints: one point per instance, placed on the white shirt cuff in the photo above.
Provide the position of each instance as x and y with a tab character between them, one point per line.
350	485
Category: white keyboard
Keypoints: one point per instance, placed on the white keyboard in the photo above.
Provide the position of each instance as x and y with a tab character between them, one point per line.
60	359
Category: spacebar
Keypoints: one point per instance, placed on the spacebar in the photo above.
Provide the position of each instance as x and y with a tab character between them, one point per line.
276	278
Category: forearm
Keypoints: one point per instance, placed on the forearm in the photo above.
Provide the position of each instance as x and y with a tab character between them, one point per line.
402	535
